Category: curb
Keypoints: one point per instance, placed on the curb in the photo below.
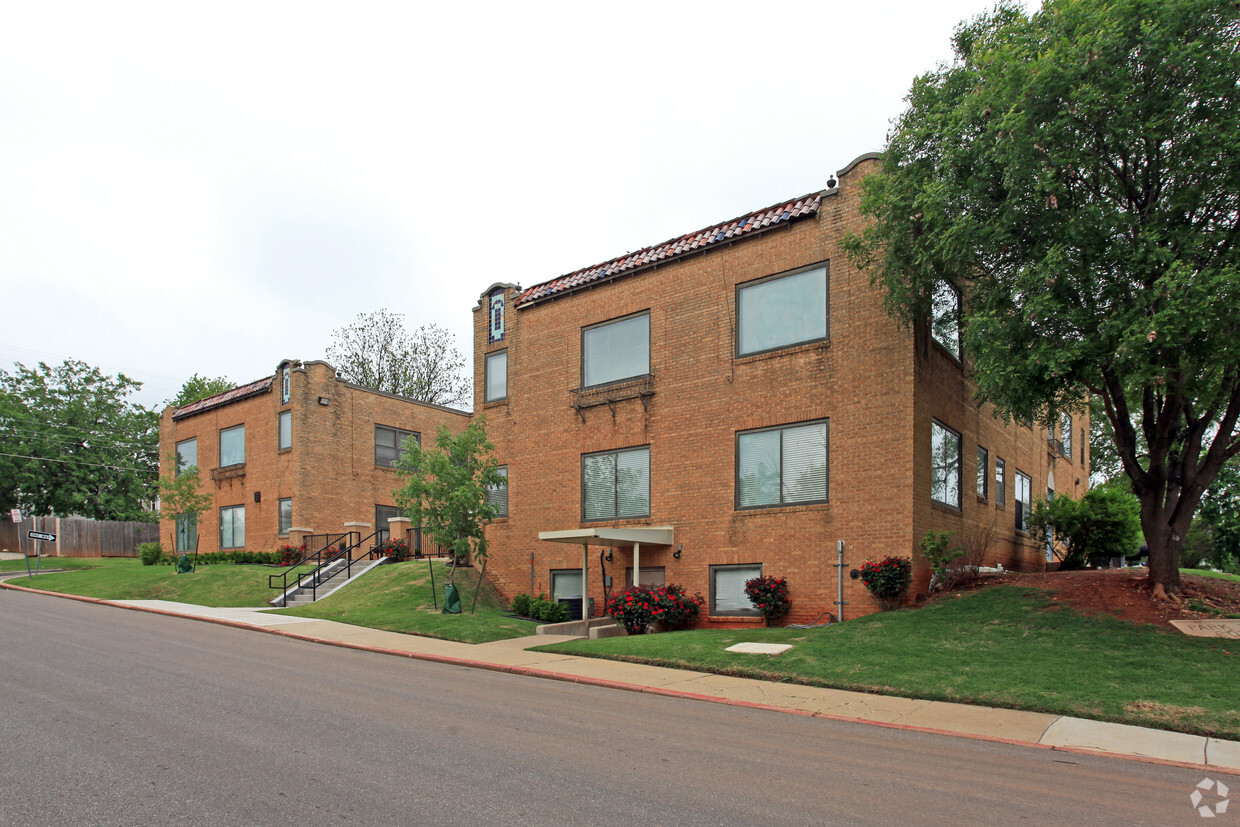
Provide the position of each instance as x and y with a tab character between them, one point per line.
532	672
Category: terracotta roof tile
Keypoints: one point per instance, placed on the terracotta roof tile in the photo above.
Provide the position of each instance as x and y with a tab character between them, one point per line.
746	225
221	399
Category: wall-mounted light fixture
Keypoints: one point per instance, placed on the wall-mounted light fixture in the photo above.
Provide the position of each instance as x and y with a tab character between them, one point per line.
258	496
679	548
323	400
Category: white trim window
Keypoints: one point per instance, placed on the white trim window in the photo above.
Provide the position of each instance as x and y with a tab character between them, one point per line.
782	466
782	311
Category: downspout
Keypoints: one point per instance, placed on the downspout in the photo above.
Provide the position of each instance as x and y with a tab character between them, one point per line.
839	579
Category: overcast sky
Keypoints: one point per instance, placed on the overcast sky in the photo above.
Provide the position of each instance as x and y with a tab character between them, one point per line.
212	187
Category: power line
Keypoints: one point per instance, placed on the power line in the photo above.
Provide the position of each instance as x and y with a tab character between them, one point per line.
78	462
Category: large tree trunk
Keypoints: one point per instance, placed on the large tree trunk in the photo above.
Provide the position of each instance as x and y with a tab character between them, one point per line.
1164	545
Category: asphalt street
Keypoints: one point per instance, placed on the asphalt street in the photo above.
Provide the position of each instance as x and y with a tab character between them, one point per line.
128	718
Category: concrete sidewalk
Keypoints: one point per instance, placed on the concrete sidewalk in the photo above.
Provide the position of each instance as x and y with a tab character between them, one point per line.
1005	725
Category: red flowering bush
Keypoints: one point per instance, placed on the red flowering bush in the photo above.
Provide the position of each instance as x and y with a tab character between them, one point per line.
637	607
290	555
770	596
888	579
398	550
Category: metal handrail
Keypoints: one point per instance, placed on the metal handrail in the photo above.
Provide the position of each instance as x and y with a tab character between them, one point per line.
317	555
314	578
342	540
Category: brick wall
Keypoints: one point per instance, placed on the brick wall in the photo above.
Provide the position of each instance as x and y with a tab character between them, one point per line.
876	388
329	472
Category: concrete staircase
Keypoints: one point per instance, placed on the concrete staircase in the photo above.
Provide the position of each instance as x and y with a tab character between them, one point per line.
594	628
330	580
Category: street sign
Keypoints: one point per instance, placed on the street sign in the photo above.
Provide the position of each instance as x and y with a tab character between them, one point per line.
16	515
41	535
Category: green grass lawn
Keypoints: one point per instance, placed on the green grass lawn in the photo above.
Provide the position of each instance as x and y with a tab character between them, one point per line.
1003	646
55	563
1220	575
397	597
118	578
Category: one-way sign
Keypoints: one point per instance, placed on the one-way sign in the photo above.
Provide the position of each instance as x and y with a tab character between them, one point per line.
41	535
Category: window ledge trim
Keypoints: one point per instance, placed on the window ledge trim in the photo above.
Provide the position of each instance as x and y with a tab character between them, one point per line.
786	350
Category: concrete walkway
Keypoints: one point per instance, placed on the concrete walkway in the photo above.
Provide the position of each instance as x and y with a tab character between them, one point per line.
1010	726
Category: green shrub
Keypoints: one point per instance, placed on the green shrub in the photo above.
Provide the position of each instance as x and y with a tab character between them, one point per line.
1102	524
939	549
521	604
888	579
150	553
770	595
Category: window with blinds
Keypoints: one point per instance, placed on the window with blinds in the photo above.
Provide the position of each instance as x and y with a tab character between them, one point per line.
616	484
615	350
497	495
781	311
727	589
782	466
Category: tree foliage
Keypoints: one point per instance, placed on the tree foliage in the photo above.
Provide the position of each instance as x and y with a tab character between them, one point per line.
1076	176
1102	524
200	387
446	486
377	351
72	444
181	494
1218	523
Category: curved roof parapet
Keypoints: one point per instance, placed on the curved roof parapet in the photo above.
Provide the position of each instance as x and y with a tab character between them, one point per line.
868	156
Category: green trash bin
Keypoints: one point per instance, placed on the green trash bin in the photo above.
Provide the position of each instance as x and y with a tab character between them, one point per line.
451	600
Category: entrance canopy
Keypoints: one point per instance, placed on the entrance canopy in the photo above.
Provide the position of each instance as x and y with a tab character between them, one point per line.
633	537
612	537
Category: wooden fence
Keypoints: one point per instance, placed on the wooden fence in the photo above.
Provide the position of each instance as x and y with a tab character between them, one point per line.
79	537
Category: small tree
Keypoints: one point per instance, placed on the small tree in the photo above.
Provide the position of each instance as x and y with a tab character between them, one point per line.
181	496
1104	523
446	489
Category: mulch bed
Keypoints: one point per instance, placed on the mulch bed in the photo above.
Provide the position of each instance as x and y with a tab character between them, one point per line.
1125	593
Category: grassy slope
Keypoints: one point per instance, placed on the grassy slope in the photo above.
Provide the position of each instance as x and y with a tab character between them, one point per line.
397	597
128	579
1218	575
54	563
1005	646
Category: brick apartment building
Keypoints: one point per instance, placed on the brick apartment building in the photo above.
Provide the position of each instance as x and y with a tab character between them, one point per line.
736	402
296	453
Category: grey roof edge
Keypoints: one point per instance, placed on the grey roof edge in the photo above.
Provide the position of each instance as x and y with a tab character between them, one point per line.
865	156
